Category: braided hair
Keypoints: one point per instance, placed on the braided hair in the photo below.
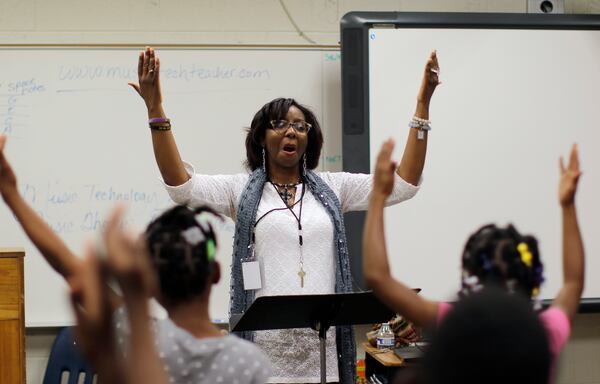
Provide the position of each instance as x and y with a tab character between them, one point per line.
182	247
502	257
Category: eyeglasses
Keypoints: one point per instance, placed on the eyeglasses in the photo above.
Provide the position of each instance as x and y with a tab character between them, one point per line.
281	126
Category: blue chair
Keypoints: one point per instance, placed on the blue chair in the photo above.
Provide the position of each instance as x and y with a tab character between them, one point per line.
66	357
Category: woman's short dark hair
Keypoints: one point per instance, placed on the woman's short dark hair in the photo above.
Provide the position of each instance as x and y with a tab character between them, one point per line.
277	110
182	247
502	257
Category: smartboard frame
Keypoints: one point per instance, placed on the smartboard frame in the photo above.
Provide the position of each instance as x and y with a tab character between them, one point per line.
354	41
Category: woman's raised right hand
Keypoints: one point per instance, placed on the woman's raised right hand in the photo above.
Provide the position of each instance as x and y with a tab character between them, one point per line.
148	86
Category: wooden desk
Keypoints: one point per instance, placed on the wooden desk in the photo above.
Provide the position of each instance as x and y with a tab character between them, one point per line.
381	363
12	316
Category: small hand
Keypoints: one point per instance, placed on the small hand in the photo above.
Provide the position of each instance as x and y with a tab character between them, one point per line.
127	259
8	180
148	86
569	177
89	299
385	169
431	78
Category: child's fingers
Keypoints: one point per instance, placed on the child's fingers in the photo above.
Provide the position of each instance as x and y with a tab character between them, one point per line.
2	158
75	289
92	286
561	164
77	305
114	219
78	295
574	159
112	234
385	153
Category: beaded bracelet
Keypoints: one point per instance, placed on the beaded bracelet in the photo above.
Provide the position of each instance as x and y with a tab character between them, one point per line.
422	125
162	127
160	124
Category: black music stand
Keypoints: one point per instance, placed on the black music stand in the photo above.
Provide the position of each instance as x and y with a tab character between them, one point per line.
318	312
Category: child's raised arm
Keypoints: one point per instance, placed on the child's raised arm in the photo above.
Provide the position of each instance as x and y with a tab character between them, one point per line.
573	254
54	250
376	269
95	333
129	263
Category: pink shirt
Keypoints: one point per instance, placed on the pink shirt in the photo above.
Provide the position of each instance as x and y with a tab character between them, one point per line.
555	322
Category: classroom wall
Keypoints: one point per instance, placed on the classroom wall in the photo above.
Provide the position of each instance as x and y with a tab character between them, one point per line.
243	22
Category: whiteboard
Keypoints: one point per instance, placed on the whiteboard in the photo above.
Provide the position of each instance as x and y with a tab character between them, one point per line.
517	91
510	103
78	139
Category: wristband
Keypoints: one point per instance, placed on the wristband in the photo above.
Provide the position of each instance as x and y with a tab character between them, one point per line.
156	120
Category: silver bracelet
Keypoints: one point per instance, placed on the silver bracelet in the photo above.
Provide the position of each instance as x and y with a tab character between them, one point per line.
421	125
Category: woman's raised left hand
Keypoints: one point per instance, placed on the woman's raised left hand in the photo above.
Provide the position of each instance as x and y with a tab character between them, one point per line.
431	79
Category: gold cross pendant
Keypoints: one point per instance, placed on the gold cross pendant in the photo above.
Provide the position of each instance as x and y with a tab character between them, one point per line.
301	273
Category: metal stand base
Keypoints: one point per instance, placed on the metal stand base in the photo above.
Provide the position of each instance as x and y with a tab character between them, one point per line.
322	343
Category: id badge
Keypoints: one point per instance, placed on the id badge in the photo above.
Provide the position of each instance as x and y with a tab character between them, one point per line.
251	275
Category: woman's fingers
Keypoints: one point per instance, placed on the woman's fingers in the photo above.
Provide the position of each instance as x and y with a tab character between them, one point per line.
146	62
151	66
157	69
140	64
432	68
136	87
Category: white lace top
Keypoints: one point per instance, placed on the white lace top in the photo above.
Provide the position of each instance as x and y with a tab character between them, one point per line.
294	352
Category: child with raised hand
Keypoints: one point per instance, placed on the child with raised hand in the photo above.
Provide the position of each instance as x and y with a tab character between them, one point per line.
54	250
91	300
493	256
181	248
490	337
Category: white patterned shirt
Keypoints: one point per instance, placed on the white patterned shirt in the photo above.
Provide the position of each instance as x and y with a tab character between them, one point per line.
210	360
293	352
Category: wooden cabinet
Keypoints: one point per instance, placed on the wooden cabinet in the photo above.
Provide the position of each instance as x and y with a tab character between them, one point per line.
12	317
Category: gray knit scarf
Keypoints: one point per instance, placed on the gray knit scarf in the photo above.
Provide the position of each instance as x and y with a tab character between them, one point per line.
241	299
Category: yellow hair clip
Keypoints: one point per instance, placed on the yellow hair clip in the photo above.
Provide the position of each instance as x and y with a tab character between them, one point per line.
535	292
526	256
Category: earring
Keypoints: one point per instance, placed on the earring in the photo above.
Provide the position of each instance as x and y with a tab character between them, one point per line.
304	165
264	162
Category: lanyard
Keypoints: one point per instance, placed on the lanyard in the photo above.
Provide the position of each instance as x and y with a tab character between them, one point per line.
290	208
